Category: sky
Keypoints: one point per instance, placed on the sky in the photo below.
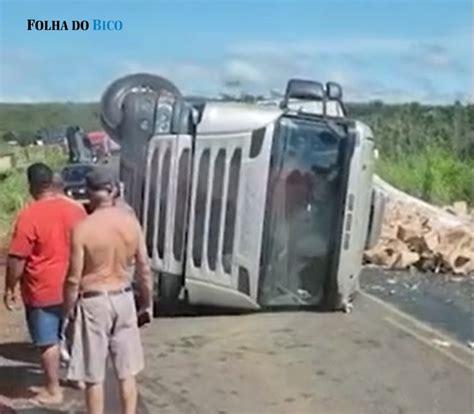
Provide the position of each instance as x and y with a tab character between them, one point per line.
390	50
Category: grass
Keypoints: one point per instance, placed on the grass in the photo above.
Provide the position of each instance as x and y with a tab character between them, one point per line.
4	147
435	175
13	194
14	188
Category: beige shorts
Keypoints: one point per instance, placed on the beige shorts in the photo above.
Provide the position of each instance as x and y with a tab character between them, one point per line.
105	324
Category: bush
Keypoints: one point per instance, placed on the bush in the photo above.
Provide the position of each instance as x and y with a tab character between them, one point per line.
13	195
9	136
14	187
435	175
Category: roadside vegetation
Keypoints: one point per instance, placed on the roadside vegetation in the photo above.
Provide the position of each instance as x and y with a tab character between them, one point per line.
427	151
23	121
13	185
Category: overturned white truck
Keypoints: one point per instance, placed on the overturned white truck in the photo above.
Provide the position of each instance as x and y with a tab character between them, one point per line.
247	206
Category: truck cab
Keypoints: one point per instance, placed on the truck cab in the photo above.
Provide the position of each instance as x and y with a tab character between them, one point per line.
247	206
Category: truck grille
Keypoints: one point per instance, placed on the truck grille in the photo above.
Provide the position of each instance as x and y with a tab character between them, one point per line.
214	208
214	201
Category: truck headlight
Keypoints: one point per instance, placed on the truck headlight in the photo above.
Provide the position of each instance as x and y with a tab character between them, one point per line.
164	113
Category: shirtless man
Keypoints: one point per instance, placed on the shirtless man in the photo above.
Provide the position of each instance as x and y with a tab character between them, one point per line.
99	298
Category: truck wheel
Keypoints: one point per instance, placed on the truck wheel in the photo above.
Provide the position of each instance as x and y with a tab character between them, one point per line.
113	97
169	287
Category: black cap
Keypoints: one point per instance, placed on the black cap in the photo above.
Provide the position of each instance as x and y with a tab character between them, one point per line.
99	178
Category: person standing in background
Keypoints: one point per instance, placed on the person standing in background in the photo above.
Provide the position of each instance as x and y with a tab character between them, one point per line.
38	259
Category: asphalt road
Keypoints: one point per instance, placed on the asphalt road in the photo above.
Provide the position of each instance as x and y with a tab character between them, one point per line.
444	301
371	361
374	360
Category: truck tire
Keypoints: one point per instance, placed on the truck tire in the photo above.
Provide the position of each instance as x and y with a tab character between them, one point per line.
114	95
169	288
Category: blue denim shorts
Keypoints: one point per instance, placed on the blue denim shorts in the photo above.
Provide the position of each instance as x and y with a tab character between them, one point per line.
44	324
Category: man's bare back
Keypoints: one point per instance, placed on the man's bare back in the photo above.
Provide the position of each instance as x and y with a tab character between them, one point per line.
110	238
98	298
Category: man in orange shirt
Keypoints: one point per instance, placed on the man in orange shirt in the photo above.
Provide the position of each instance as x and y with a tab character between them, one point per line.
38	259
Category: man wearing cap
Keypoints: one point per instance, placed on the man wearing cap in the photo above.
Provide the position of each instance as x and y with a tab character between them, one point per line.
99	299
38	259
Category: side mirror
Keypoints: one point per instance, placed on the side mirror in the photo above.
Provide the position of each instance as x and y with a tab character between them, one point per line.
334	91
304	90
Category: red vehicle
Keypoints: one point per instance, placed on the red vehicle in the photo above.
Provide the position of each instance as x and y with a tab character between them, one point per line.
99	141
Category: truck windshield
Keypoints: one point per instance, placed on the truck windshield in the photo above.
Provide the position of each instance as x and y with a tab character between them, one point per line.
301	213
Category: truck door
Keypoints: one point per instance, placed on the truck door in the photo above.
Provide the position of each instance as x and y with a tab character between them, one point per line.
304	211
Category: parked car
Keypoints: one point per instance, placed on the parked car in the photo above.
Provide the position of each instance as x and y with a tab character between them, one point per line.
74	180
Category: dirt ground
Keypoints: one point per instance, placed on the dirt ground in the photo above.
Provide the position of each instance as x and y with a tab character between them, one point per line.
374	360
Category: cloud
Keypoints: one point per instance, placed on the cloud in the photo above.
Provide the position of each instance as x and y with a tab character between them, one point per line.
27	76
190	77
308	48
347	45
433	56
393	69
242	71
182	70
